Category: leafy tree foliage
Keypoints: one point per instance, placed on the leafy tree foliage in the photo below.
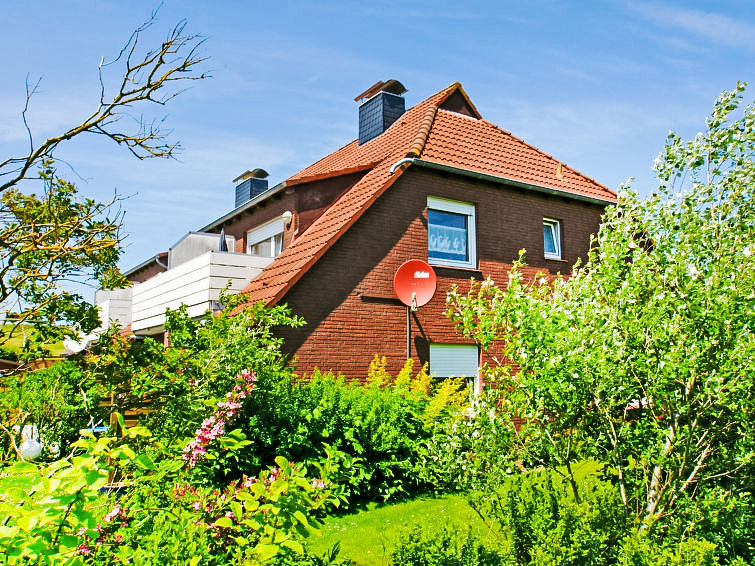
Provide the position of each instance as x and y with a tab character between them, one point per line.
644	358
47	239
54	236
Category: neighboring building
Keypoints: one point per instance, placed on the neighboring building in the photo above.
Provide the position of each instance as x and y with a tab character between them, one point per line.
435	182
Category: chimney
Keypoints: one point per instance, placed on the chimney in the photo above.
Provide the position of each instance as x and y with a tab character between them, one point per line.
253	183
384	105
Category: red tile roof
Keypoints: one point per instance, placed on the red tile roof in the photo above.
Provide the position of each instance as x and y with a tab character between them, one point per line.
478	145
434	134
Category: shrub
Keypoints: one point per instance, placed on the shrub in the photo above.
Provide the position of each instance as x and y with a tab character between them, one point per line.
447	547
374	430
59	400
541	523
60	512
465	450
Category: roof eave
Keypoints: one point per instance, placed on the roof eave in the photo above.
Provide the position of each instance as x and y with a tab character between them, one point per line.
154	259
244	207
501	180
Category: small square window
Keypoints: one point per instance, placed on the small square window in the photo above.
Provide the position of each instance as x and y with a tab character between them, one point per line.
450	233
551	238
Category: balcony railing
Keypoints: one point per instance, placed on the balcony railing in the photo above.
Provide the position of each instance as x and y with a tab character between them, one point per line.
196	283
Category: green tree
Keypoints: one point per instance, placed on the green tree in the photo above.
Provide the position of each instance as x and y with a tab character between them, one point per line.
54	235
643	359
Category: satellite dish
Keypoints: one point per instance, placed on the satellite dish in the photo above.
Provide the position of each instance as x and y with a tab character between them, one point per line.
414	283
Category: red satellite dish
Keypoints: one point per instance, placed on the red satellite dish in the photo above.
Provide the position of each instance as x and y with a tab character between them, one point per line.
414	283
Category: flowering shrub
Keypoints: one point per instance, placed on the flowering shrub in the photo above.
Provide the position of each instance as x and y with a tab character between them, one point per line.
49	512
250	521
214	426
374	431
59	514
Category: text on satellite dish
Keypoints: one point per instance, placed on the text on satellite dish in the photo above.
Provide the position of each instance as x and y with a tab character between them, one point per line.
421	275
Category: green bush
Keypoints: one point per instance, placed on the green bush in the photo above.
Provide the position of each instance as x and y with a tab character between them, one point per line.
447	547
641	549
541	523
465	450
376	431
66	512
60	400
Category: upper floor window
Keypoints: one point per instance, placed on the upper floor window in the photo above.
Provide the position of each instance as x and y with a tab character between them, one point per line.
266	240
551	238
451	233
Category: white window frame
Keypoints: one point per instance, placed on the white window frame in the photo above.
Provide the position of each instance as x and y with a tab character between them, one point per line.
452	358
267	231
456	207
555	226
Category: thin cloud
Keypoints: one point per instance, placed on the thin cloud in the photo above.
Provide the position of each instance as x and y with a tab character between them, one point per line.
46	115
713	26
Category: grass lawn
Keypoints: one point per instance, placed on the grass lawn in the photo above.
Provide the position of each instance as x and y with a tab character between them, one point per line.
368	536
16	341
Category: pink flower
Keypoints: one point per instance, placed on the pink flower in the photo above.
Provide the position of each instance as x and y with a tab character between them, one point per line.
83	549
113	514
214	426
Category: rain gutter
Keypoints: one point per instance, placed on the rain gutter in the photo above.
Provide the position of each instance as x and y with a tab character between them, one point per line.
495	179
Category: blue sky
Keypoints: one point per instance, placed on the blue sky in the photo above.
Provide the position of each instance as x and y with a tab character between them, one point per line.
598	85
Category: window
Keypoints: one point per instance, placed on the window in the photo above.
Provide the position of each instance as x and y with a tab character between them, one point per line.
451	233
456	360
269	247
266	240
551	238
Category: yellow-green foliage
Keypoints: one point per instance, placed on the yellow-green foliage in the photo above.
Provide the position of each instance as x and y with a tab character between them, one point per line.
318	374
422	382
451	394
377	376
403	380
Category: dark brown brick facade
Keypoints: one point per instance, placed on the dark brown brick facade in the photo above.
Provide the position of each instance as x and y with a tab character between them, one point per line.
347	297
306	202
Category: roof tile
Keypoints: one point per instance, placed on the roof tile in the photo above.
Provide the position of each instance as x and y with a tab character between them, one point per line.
436	135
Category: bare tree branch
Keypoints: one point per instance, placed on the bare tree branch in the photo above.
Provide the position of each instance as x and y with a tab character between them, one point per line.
145	80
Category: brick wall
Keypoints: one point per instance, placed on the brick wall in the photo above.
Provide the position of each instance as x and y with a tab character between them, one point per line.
347	298
150	270
306	202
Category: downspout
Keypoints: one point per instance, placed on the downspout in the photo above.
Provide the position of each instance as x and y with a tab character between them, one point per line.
401	162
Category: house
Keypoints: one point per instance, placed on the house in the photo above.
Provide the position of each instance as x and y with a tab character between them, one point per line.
435	182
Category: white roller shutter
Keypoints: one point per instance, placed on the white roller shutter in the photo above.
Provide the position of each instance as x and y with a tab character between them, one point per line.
457	360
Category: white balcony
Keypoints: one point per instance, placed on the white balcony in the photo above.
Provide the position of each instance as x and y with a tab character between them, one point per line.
114	305
196	283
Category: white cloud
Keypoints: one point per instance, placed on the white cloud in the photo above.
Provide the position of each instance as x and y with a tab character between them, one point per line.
711	25
46	115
